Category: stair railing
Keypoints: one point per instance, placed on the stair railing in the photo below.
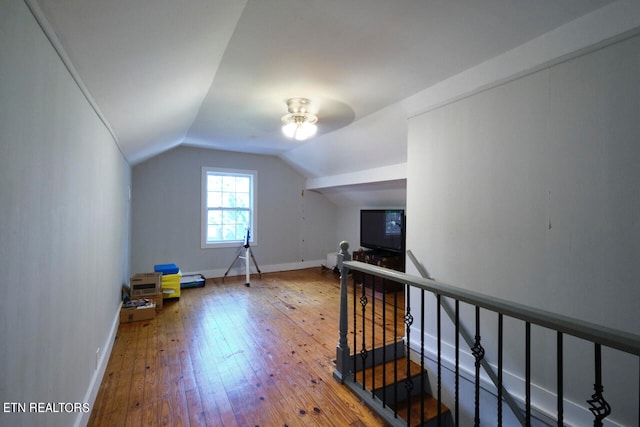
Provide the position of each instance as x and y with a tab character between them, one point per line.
503	393
598	335
378	327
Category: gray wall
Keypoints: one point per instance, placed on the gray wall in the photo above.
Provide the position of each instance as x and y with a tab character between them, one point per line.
64	228
292	228
530	192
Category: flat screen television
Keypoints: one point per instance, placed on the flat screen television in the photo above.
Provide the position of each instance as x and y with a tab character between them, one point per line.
382	229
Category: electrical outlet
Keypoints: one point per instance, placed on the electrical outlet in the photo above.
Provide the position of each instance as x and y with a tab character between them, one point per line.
97	357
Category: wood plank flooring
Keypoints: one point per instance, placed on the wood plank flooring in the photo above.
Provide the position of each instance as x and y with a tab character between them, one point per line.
230	355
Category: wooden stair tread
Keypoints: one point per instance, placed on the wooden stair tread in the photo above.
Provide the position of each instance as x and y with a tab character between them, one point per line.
430	409
377	373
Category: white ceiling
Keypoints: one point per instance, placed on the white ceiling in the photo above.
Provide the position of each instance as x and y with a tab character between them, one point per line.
217	73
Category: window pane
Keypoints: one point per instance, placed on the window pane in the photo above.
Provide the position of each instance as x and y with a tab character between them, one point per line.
214	233
228	183
214	217
242	200
243	222
229	233
214	182
241	230
229	217
229	200
243	218
243	184
214	199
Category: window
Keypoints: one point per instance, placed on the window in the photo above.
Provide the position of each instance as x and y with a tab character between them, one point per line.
228	206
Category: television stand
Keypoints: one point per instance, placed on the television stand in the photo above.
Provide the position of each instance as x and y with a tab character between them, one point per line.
391	260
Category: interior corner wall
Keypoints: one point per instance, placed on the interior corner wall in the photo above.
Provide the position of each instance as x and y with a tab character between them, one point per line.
530	192
64	230
294	227
348	227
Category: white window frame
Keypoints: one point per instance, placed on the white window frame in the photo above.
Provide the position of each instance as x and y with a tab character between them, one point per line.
204	209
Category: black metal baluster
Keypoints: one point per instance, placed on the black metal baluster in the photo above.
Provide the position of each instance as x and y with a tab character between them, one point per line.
395	354
384	344
528	373
355	325
439	327
457	375
373	333
598	406
408	321
422	367
500	343
478	354
560	380
363	352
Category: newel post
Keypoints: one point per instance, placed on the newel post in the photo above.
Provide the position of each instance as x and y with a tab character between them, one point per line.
342	350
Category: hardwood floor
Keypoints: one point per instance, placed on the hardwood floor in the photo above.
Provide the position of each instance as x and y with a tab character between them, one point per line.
230	355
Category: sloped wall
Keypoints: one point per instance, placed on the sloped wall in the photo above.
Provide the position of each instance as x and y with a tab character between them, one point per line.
64	229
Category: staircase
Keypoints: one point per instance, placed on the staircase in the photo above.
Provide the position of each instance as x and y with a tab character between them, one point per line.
390	382
396	387
397	390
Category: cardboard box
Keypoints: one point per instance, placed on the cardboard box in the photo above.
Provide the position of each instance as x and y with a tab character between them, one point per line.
145	284
134	314
157	299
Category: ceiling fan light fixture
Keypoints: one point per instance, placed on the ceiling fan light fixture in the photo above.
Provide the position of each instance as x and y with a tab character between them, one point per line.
299	123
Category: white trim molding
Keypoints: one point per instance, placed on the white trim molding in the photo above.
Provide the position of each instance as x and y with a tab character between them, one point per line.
96	380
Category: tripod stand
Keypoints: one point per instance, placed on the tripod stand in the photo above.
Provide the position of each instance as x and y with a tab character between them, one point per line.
246	250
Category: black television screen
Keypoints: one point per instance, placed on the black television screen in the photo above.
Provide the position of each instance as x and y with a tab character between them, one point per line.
382	229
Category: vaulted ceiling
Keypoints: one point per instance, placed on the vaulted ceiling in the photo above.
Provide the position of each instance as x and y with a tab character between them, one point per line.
217	73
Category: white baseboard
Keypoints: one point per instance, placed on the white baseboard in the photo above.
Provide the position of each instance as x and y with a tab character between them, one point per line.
240	271
545	400
92	392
